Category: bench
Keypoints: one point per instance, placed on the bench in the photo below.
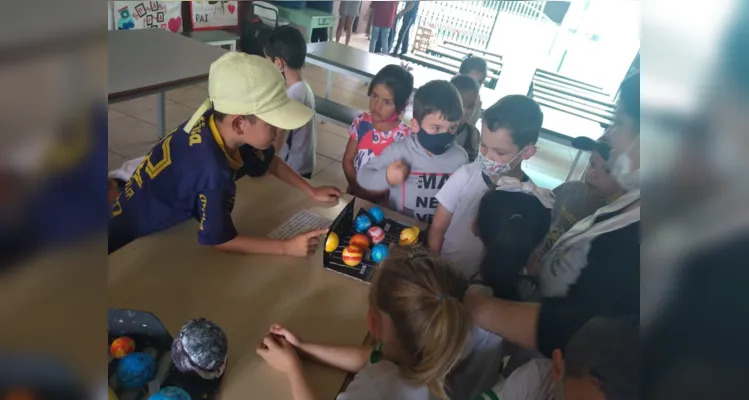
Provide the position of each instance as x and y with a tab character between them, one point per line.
569	81
608	116
439	66
473	50
445	65
604	101
335	113
444	53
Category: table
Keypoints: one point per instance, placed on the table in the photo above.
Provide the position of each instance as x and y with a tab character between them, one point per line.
308	18
148	61
171	275
215	38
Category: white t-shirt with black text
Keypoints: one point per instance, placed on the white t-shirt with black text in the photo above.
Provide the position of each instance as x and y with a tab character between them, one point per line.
461	195
301	155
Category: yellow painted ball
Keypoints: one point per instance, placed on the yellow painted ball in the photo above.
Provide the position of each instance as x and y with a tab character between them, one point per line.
331	243
409	236
112	396
352	256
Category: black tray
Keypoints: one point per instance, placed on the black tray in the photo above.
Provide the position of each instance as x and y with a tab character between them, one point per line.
343	226
149	333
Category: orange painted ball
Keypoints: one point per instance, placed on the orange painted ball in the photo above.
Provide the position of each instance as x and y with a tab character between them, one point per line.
122	346
359	240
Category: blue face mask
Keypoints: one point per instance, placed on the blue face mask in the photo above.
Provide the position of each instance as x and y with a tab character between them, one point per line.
437	143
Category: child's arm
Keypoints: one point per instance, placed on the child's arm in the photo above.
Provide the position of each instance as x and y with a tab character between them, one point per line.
347	358
287	174
301	245
281	355
300	389
437	229
383	171
348	163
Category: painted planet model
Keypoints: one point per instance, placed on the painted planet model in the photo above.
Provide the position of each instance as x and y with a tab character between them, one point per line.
171	393
362	223
352	256
409	236
377	214
201	347
359	240
135	369
331	243
376	234
379	252
122	346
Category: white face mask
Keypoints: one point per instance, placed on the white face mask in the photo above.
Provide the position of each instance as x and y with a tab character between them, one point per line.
495	169
621	169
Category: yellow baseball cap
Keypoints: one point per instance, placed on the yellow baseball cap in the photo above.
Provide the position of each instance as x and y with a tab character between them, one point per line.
244	84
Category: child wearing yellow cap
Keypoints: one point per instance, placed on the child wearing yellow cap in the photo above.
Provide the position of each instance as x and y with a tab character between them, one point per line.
191	172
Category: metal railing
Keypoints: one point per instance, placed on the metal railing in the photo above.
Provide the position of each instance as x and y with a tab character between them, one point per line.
471	23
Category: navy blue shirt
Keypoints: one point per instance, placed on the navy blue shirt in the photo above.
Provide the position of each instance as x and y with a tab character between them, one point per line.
186	175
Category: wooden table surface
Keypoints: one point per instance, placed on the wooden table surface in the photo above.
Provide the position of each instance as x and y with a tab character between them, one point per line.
146	61
174	277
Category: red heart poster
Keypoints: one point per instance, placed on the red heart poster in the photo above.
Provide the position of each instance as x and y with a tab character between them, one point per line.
213	15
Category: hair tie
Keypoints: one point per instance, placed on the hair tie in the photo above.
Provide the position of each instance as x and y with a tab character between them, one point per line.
516	215
440	298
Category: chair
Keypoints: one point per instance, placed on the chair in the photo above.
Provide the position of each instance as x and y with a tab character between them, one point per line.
268	13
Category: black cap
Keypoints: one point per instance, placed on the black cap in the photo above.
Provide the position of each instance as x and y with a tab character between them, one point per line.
600	146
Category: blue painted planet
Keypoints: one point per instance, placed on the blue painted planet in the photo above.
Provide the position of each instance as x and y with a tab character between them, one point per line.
362	223
379	252
171	393
377	214
136	369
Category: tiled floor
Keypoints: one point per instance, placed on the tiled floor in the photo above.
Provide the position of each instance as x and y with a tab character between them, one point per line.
132	128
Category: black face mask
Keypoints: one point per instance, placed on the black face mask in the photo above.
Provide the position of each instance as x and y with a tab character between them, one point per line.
437	143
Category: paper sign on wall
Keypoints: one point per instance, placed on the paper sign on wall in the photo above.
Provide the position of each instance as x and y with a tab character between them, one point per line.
214	14
148	14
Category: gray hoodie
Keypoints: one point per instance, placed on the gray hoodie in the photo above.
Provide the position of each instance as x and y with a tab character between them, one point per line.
429	172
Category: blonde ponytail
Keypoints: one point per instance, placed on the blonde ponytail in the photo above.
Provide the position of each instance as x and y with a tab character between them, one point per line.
423	297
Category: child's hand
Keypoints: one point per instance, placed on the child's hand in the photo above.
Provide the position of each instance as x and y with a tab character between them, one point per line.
303	244
279	353
397	172
328	194
279	330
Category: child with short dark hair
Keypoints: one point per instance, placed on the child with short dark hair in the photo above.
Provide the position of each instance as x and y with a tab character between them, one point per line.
510	129
287	49
415	169
371	132
476	68
601	361
420	324
467	136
